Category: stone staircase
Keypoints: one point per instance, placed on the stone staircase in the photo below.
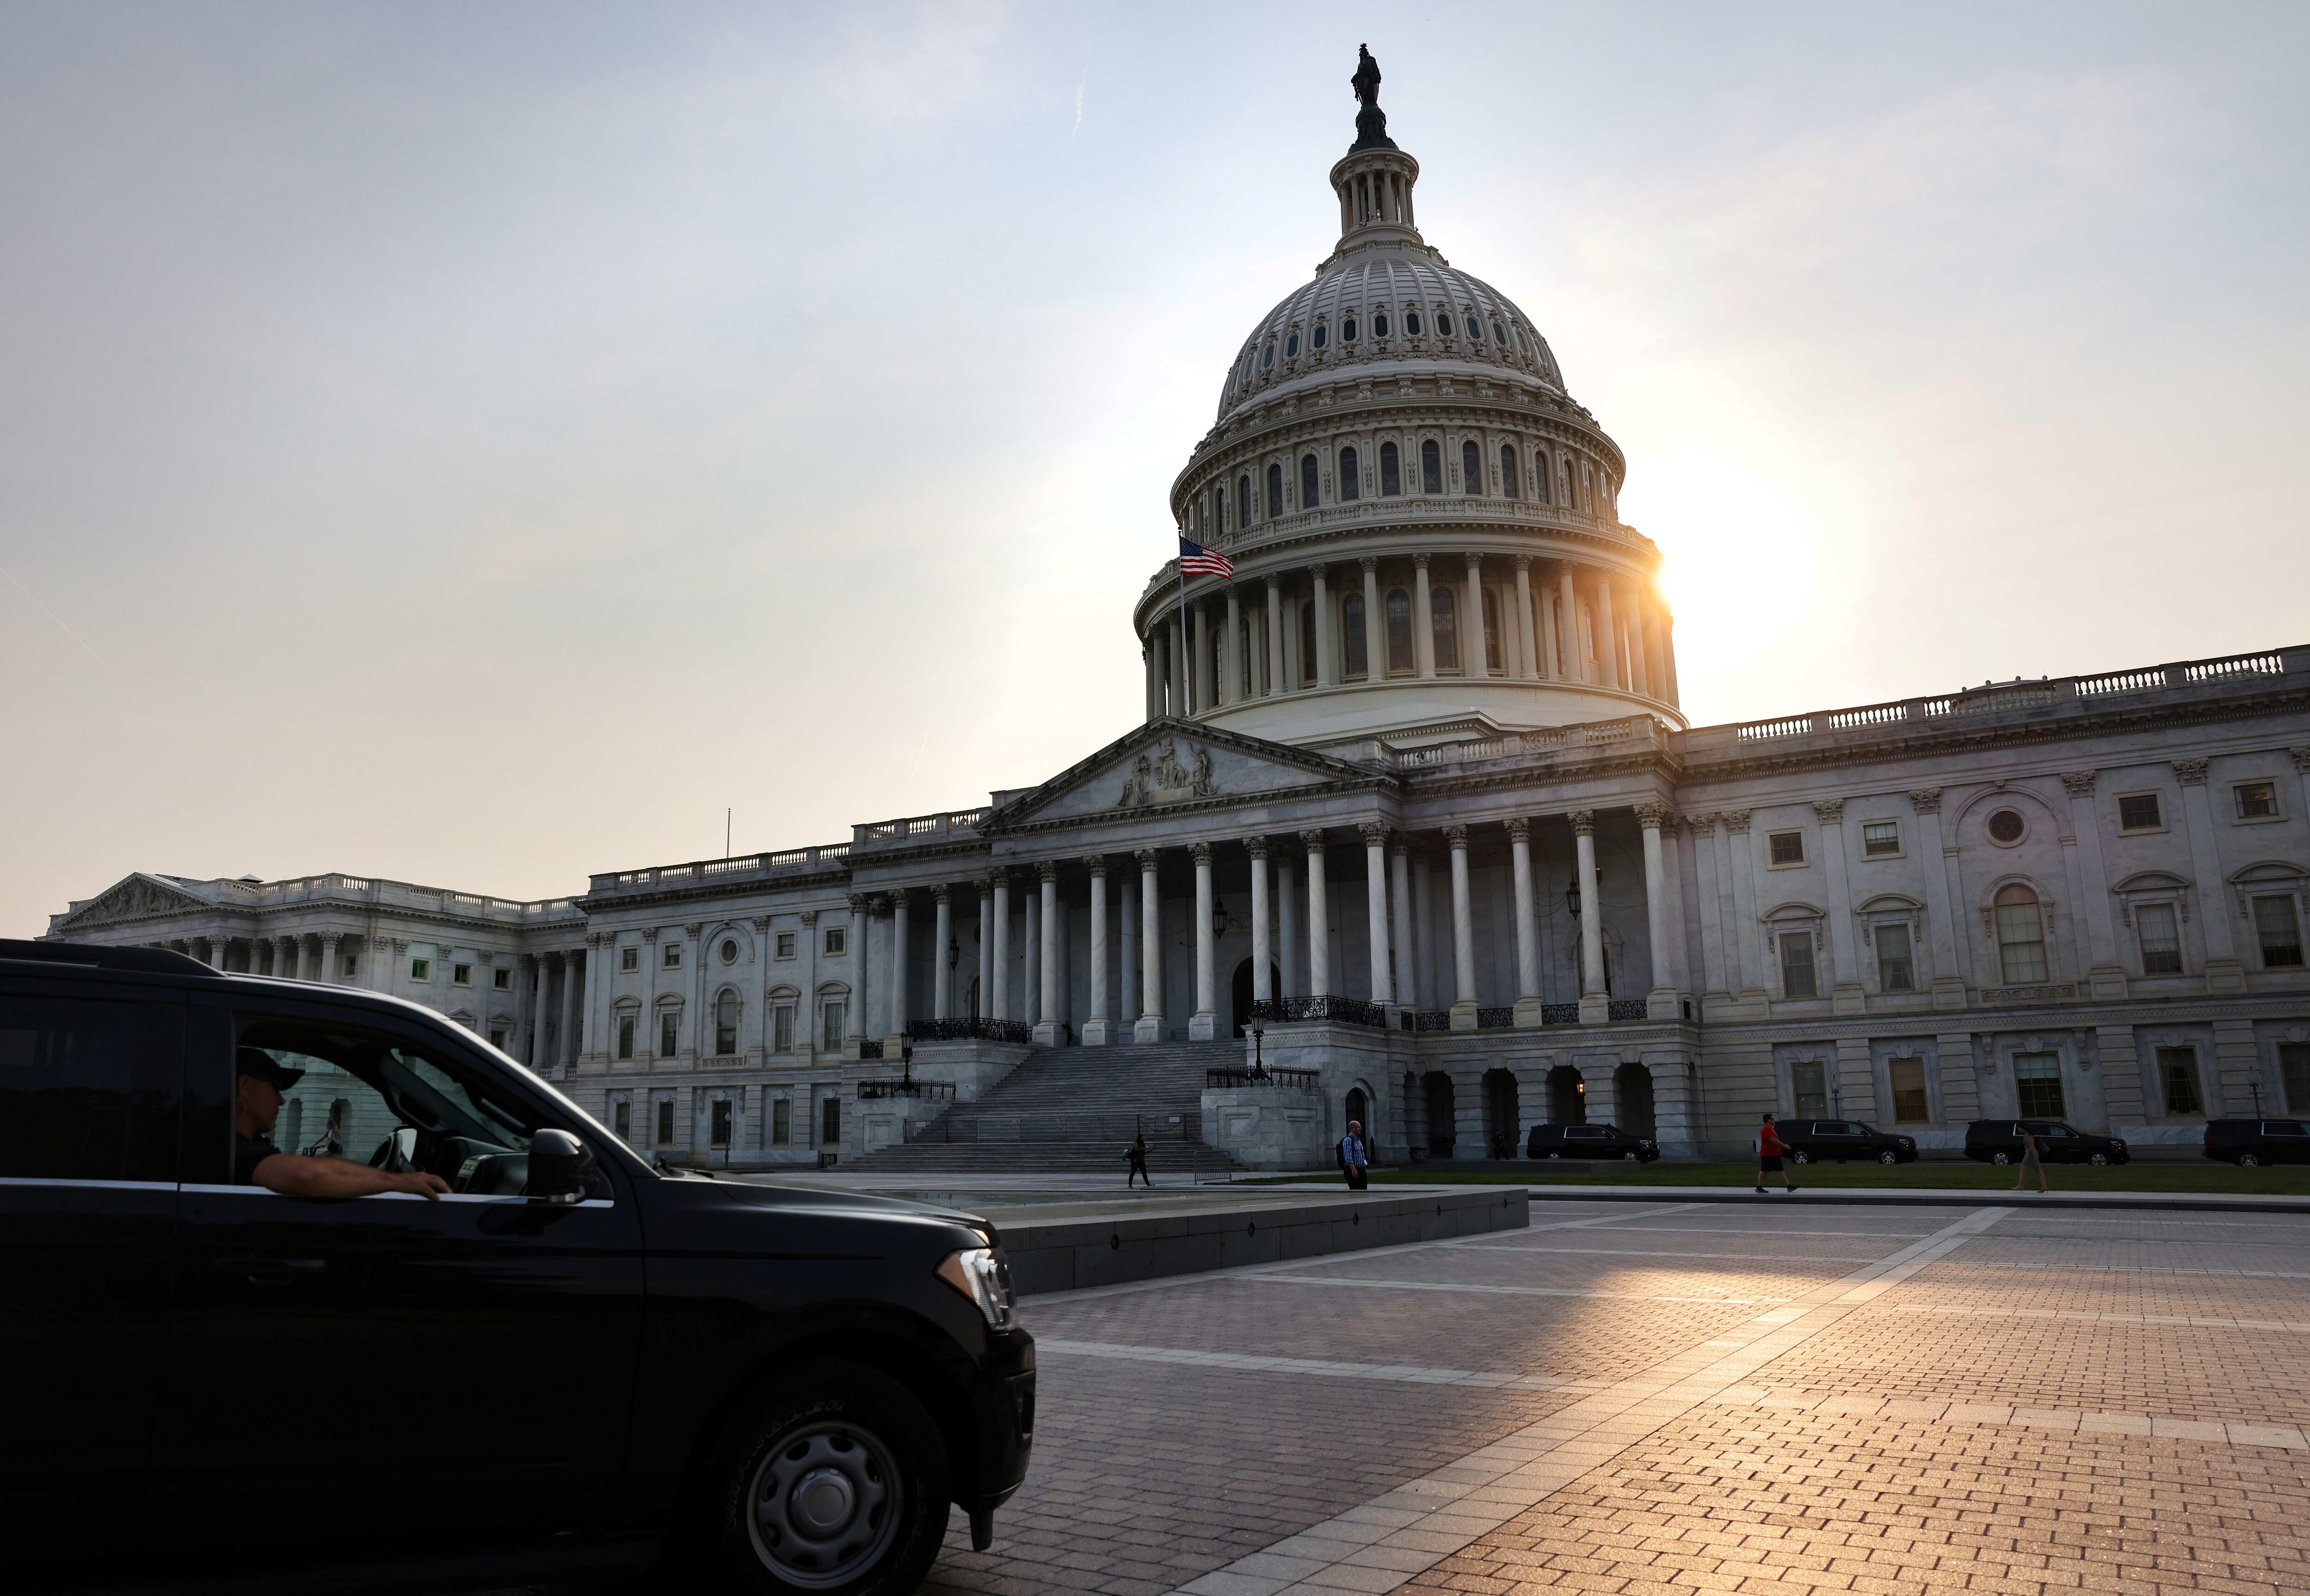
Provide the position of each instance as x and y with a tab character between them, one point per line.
1073	1110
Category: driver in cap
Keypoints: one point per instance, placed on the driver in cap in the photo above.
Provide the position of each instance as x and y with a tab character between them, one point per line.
260	1081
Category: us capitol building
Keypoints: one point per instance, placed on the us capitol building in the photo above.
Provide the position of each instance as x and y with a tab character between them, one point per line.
1413	799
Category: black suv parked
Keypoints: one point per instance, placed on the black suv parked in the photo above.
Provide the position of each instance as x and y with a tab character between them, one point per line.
2246	1142
1841	1141
537	1352
1589	1141
1999	1142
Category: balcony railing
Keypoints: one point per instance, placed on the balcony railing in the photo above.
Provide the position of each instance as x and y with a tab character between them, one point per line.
1346	1011
1290	1081
948	824
969	1030
932	1091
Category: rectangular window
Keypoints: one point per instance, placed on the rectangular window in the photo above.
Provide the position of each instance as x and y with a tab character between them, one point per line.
665	1121
2020	943
421	969
2138	812
669	1031
786	944
781	1123
501	979
2161	939
1796	965
1809	1085
726	1027
719	1122
830	1036
670	958
629	959
1910	1105
782	1019
1894	970
2037	1085
2294	1071
2279	928
1880	837
1787	848
66	1091
2256	800
497	1037
2177	1080
625	1036
461	975
621	1118
829	1120
836	937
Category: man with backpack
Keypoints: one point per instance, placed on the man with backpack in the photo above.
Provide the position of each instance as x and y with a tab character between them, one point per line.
1355	1158
1768	1157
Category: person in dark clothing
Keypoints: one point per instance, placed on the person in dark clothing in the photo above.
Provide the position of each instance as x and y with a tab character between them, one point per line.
1355	1158
1137	1153
261	1080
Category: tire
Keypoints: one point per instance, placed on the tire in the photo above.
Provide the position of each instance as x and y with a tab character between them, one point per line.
1630	1159
1800	1158
1889	1156
2000	1160
853	1447
2098	1160
2249	1160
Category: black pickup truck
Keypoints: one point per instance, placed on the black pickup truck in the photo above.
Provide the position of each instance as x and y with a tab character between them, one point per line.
446	1320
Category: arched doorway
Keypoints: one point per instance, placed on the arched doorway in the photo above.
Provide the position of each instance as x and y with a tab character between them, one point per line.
1438	1090
1359	1110
1500	1114
1632	1094
1242	992
1568	1102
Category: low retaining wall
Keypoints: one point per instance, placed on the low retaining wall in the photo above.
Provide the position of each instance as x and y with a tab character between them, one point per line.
1066	1254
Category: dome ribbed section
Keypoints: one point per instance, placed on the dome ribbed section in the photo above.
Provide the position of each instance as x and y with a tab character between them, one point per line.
1463	321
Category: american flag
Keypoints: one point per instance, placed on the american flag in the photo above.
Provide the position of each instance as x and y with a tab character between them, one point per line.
1196	560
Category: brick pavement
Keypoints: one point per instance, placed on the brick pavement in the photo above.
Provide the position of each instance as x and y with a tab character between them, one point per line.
1638	1399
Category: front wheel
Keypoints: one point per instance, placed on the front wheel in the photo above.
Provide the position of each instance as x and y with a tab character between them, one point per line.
2098	1160
831	1478
2000	1159
1889	1156
1800	1158
2249	1161
1631	1159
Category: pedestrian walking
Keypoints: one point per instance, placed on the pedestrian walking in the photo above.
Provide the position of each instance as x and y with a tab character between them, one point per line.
1768	1157
1137	1153
2030	1160
1355	1158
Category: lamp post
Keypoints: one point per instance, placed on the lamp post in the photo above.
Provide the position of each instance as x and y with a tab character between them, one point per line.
1258	1058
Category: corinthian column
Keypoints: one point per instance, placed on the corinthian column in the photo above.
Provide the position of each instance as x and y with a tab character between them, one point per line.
1046	1020
1595	1003
1319	919
1099	1027
1150	1027
998	994
902	903
1262	984
1383	976
1526	663
1423	619
1374	667
1464	933
1527	942
1660	1003
1202	1024
1567	631
942	935
1475	658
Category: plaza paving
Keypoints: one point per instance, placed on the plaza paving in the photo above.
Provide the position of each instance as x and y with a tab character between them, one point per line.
1785	1397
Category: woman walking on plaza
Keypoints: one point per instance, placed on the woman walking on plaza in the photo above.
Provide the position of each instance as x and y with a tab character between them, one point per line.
2030	1160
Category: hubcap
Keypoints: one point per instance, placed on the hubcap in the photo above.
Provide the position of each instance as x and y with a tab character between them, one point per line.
825	1505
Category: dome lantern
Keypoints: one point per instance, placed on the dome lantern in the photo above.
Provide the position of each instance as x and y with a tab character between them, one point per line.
1373	178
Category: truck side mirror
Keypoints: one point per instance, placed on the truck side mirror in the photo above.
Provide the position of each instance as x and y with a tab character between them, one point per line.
559	1167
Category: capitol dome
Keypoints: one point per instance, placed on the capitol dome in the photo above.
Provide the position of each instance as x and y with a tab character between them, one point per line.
1423	525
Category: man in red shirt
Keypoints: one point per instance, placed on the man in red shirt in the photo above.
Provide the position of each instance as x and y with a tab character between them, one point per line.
1768	1156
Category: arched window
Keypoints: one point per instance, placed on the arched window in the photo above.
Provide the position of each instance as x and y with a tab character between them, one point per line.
1445	616
1351	627
1322	332
1474	330
1274	491
1508	484
1267	357
1492	631
725	1024
1243	654
1411	323
2020	936
1498	336
1348	331
1379	324
1399	629
1243	500
1391	472
1431	467
1471	468
1308	486
1539	475
1350	476
1306	642
1571	484
1291	347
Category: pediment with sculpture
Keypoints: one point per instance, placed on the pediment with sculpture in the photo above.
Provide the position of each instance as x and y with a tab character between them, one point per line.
1168	763
138	897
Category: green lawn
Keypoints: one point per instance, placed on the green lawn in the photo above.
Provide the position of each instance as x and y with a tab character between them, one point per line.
2204	1175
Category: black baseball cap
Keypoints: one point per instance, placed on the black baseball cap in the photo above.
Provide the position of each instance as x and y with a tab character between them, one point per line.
257	1062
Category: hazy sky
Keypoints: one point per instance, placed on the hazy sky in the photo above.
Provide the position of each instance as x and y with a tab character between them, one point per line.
475	445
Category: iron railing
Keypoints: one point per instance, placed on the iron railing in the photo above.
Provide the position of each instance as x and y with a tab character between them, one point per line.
936	1091
969	1030
1297	1080
1347	1011
1495	1020
1559	1014
870	1049
1624	1009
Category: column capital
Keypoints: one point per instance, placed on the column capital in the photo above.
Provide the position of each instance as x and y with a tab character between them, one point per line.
1457	836
1519	828
1420	562
1047	870
941	892
994	879
1399	845
1830	811
1257	846
2190	773
2080	784
1095	864
878	904
1736	821
808	918
1369	562
1312	840
695	928
649	933
593	939
1200	852
859	903
1652	815
1475	560
2301	759
762	924
1583	822
1374	833
1523	562
1926	800
1148	858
